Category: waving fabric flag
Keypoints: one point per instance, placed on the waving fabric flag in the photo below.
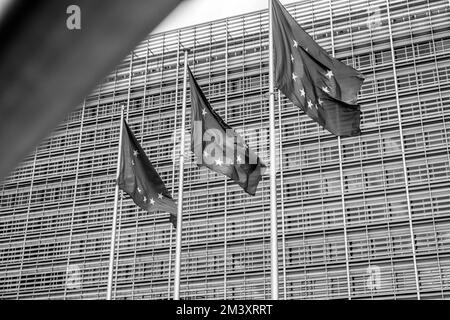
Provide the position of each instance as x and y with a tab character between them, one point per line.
323	87
218	147
139	179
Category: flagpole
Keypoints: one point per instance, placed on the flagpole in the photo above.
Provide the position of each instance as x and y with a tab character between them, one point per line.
283	230
176	292
114	222
273	181
173	166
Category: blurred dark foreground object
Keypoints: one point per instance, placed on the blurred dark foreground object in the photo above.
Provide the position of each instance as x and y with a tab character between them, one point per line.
46	69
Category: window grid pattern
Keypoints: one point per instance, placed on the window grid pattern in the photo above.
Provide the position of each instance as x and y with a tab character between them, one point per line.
56	207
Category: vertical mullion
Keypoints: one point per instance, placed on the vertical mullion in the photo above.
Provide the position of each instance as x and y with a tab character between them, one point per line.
225	179
402	144
341	175
119	212
169	281
117	155
26	223
162	101
142	132
283	230
75	189
433	42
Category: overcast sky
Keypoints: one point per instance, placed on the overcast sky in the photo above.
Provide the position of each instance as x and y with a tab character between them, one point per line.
191	12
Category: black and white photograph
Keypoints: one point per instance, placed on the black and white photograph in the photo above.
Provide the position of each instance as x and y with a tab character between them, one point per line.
200	150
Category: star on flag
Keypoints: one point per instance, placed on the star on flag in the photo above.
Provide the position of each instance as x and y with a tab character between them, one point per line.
308	86
329	74
325	89
225	160
139	179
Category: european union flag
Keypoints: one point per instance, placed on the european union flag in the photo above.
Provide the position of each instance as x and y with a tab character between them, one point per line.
218	147
139	179
323	87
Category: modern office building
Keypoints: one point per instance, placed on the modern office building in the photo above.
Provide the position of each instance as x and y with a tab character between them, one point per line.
370	222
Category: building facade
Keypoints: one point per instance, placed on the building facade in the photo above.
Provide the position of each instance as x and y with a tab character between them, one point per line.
364	218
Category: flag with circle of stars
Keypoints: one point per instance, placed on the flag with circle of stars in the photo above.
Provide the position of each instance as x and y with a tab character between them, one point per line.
218	147
323	87
139	179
